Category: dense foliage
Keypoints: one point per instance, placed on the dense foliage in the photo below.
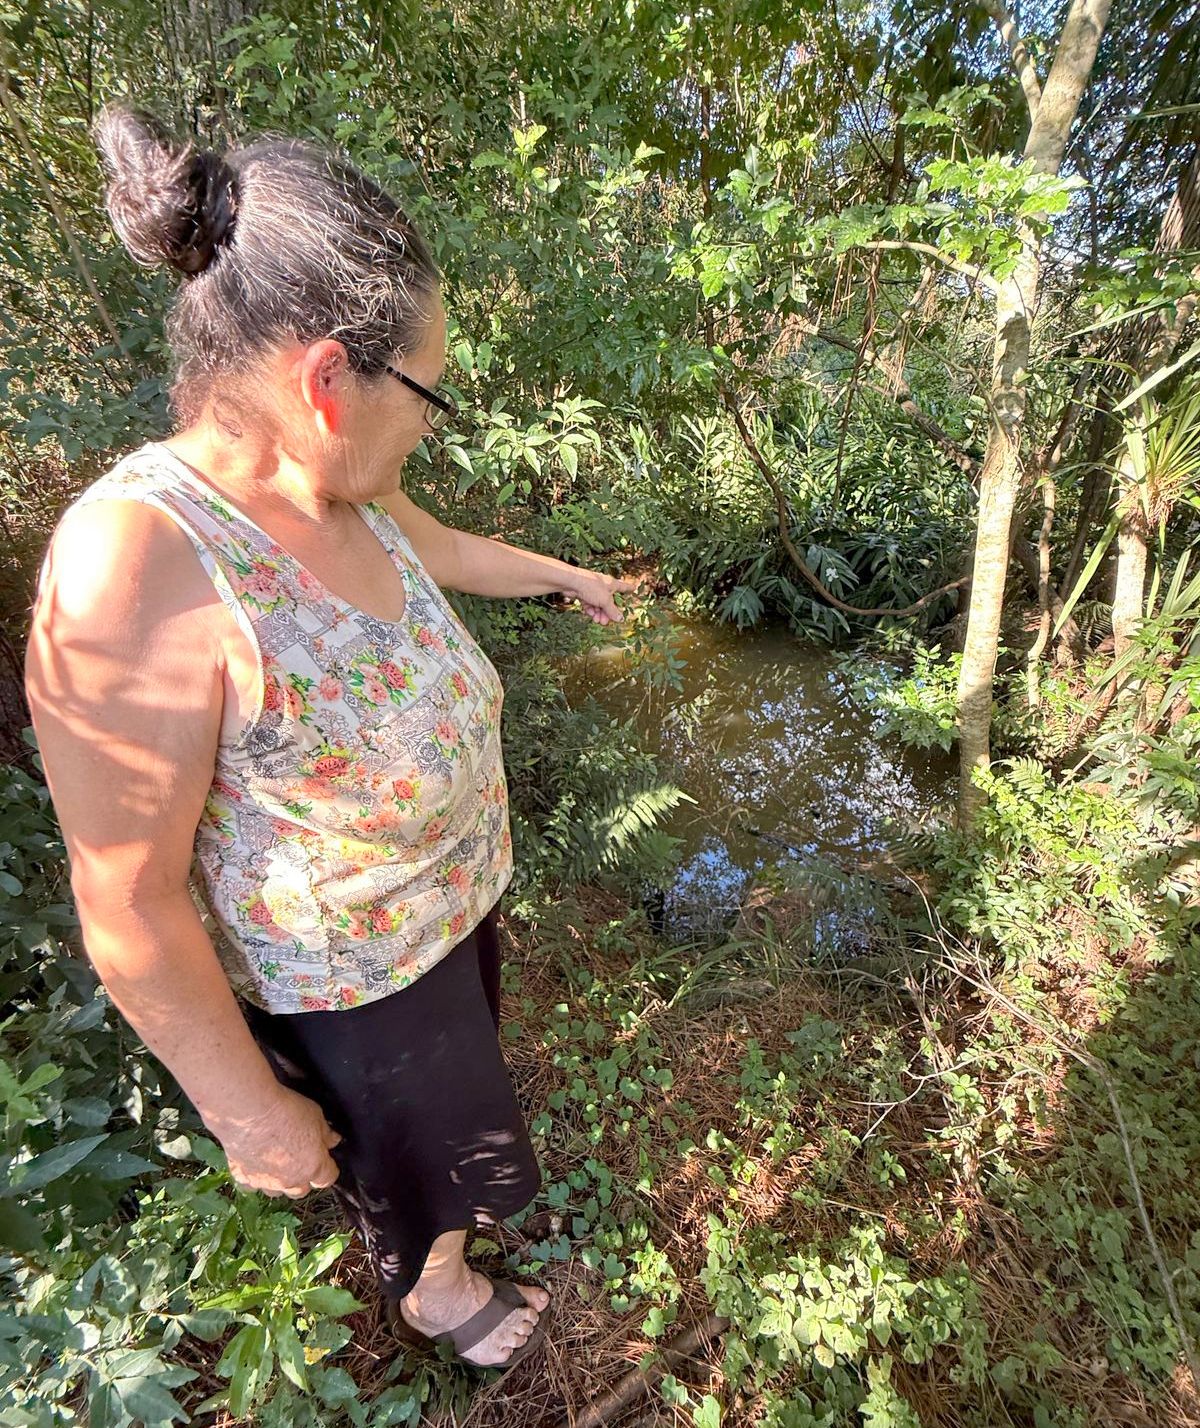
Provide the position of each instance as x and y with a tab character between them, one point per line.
724	287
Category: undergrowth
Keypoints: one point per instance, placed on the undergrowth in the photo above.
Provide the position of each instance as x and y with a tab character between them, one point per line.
900	1180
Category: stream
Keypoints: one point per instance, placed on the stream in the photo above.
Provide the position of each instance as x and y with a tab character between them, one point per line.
788	772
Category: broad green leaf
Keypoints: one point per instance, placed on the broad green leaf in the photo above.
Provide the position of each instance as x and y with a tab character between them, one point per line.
321	1256
206	1324
459	457
33	1174
708	1413
328	1299
41	1076
291	1354
241	1364
119	1165
147	1402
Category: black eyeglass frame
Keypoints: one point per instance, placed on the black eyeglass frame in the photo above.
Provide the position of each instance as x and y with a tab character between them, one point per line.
436	400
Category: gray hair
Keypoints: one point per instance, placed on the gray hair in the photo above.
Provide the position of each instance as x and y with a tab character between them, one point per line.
279	240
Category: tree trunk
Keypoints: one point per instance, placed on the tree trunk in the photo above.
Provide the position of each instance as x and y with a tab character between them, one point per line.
1155	343
999	479
1130	588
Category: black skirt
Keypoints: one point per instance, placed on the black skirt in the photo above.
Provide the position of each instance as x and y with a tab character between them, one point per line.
432	1136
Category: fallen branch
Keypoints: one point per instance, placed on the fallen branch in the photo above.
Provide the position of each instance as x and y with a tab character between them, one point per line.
793	554
639	1381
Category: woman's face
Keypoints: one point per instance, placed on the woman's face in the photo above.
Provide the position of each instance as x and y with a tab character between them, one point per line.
386	419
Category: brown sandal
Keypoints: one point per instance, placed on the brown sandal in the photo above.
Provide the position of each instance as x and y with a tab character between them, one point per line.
505	1298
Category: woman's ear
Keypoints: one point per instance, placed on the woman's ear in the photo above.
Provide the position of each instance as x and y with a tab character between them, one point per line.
324	376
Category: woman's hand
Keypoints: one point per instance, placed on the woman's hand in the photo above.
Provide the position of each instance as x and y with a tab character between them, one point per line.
595	591
282	1151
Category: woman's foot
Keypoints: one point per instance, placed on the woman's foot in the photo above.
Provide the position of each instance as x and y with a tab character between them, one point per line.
437	1310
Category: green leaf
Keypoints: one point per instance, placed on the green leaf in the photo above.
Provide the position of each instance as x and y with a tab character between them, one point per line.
1086	574
242	1364
245	1296
334	1386
120	1165
291	1354
289	1250
321	1256
147	1402
19	1228
1155	378
50	1165
460	458
206	1324
527	139
329	1300
41	1076
708	1413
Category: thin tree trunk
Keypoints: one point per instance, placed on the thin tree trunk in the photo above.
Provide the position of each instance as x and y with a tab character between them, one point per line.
1052	116
1156	341
1033	688
1133	556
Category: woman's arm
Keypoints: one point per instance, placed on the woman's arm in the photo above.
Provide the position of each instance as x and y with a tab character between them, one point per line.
125	682
477	565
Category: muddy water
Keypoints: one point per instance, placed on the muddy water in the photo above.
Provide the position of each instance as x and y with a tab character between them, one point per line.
789	773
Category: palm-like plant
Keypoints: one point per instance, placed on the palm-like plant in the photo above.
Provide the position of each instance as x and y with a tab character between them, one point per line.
1162	445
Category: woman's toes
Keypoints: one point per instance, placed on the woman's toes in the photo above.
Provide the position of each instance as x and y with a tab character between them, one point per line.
519	1329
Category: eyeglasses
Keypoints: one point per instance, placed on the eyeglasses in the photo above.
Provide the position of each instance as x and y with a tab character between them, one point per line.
440	406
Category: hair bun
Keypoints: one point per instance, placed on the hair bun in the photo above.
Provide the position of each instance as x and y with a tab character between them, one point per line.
168	203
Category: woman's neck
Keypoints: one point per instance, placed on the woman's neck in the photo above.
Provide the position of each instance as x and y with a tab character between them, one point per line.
258	477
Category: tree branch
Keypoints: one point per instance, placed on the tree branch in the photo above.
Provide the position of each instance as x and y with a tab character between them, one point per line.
900	393
1068	77
784	516
968	270
1026	70
638	1382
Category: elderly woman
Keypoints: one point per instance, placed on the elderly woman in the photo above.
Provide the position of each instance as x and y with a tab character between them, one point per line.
247	682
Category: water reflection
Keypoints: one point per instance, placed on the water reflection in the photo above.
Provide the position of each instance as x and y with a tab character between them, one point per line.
787	770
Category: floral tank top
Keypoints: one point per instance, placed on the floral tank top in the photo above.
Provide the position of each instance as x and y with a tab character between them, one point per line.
357	829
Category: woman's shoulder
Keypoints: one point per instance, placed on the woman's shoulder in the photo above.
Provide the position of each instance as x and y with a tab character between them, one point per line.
117	546
139	475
